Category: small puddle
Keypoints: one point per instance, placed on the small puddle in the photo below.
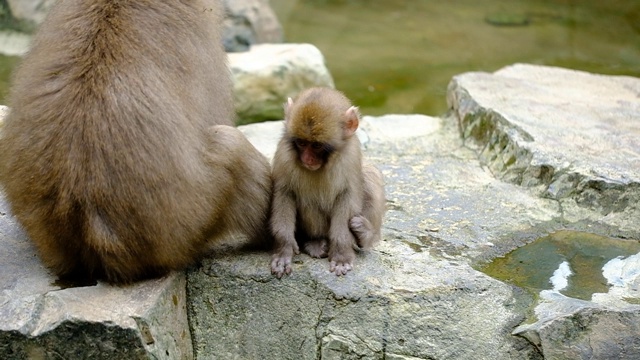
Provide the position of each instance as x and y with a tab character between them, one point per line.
573	263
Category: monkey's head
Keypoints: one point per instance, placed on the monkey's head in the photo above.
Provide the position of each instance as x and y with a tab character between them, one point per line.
318	125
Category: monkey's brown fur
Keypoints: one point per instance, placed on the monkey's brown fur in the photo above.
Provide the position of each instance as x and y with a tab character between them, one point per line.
114	156
325	207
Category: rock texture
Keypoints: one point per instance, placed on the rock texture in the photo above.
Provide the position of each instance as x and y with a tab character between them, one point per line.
31	12
267	74
250	22
575	329
14	43
572	134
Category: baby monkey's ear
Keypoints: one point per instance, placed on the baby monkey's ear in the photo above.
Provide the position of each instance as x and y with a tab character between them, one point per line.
352	116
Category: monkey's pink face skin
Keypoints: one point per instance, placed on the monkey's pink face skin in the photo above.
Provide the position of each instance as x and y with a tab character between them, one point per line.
312	154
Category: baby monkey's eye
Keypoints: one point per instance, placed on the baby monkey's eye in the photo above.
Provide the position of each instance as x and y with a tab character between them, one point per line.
301	143
317	146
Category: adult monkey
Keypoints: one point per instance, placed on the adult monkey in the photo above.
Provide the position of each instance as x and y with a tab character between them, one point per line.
115	156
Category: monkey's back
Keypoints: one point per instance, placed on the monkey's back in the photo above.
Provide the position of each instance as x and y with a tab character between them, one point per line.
103	151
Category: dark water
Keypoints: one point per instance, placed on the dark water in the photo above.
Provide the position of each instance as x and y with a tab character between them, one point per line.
397	56
532	266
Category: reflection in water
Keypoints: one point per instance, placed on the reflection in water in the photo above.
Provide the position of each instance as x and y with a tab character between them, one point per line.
573	263
398	56
560	278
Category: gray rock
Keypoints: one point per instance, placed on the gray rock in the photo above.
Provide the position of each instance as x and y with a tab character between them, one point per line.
42	319
604	328
250	22
267	74
576	329
31	12
570	133
13	43
4	110
427	308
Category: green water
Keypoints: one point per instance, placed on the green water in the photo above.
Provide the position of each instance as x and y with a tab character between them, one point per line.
7	63
397	56
532	265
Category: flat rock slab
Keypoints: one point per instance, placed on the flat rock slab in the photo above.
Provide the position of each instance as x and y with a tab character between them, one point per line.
567	119
572	133
43	320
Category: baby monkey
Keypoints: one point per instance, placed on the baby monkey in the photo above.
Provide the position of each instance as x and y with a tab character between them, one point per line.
324	197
